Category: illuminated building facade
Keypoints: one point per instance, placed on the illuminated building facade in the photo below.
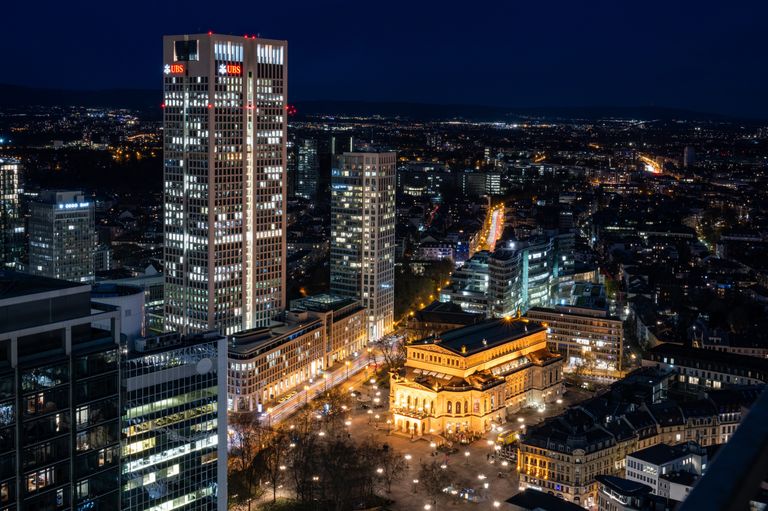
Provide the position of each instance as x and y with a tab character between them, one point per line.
344	320
59	396
224	179
267	363
566	453
363	235
465	380
62	236
11	221
307	169
174	440
584	336
517	275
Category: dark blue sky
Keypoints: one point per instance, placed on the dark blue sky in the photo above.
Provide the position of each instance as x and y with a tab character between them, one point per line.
705	55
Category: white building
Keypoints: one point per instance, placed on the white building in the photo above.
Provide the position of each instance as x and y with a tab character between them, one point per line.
225	161
363	235
651	465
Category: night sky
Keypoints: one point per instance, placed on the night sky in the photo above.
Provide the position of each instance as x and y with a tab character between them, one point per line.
709	56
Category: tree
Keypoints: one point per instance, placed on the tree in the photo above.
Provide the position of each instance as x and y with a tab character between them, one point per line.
393	352
271	461
302	458
333	407
392	467
247	441
434	479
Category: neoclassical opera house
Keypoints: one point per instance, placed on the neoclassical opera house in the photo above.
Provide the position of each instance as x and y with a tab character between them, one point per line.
464	380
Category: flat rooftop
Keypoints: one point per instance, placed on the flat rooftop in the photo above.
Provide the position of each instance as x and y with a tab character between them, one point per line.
14	284
531	499
658	454
624	486
254	340
322	302
485	335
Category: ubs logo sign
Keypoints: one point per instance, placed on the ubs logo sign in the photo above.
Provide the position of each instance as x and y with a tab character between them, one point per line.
174	69
231	69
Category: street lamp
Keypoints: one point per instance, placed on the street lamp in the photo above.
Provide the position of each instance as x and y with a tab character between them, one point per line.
347	364
306	394
466	457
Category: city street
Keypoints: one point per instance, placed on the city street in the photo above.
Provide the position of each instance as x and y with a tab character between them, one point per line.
355	372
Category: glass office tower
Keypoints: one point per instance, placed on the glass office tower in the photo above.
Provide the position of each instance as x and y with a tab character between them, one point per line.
59	396
174	423
11	221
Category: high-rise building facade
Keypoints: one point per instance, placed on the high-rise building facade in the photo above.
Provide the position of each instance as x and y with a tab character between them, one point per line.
174	423
307	169
11	221
62	236
59	396
225	183
363	235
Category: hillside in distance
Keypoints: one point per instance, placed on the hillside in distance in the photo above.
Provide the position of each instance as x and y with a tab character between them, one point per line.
147	101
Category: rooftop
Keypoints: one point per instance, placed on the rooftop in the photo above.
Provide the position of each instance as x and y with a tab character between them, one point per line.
624	486
252	342
659	454
447	312
678	353
531	499
322	302
473	339
110	290
14	284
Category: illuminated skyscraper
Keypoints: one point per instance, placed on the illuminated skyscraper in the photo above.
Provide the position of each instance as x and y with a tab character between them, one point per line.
363	235
62	236
11	222
174	423
307	169
225	158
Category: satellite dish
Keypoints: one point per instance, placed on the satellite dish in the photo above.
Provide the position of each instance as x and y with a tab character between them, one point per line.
204	366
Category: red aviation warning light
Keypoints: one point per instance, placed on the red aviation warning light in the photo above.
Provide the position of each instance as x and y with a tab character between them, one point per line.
290	110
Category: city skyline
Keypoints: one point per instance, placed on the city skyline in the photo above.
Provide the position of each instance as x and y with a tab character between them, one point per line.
703	56
229	306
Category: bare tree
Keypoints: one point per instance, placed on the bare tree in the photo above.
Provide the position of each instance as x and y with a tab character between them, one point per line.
393	352
272	460
333	407
302	457
434	479
392	467
247	441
